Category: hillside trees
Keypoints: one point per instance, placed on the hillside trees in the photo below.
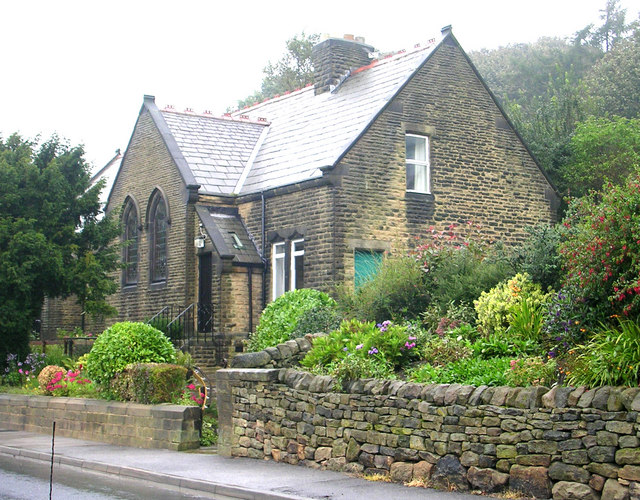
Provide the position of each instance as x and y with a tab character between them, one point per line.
52	242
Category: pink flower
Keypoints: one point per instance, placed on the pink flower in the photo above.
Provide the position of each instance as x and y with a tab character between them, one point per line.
191	386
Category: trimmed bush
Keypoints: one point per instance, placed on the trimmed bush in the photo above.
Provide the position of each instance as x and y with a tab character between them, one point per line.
123	344
280	318
149	383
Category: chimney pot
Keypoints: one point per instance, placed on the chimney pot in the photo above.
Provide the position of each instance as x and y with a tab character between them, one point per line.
348	37
446	30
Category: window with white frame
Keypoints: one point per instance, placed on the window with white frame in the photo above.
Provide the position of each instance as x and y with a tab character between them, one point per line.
417	161
278	269
297	265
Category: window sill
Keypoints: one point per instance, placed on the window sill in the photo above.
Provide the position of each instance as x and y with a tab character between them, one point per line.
419	196
129	288
157	285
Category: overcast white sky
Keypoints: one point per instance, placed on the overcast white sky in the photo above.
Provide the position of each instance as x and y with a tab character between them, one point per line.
81	68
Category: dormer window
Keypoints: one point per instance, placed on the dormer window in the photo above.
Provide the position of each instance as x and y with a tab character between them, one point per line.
418	165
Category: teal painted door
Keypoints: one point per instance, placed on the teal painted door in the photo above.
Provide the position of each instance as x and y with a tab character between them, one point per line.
366	263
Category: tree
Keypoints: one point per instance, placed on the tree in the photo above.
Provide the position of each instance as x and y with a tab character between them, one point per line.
52	242
602	150
293	71
612	30
614	82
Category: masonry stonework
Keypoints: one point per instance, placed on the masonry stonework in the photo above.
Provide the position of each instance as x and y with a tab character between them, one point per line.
545	443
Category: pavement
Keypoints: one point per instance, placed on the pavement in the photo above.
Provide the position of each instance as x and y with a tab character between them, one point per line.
203	472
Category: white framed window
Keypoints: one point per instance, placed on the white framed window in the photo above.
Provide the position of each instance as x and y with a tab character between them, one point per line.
278	269
297	265
418	165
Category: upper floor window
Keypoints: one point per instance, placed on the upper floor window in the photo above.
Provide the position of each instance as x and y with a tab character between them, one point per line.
130	247
418	166
158	232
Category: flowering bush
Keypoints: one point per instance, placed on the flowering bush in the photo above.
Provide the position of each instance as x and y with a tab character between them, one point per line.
21	372
68	383
191	396
601	247
47	375
375	349
493	307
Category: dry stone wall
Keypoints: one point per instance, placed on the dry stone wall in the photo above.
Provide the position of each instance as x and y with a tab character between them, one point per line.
563	443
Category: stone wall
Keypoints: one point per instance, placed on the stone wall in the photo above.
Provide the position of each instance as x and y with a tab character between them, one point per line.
127	424
562	443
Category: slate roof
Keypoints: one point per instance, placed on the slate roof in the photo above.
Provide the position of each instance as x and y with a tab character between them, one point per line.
308	131
220	224
290	138
216	149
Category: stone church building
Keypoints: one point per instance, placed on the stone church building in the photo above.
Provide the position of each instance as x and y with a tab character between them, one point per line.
221	215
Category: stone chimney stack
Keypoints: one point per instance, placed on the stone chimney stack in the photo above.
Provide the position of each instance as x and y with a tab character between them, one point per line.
333	57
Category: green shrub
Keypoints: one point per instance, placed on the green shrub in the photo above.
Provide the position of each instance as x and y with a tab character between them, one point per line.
209	431
175	331
398	291
123	344
493	306
386	345
149	383
318	319
533	370
526	319
611	357
280	318
471	371
539	256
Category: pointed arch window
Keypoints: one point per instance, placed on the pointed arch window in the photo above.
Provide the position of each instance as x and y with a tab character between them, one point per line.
130	239
158	233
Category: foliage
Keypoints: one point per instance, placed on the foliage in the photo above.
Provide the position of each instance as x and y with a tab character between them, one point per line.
209	431
610	32
376	350
321	318
174	331
601	247
191	395
614	82
604	149
532	370
293	71
47	375
123	344
459	263
500	344
51	239
149	383
538	256
569	320
610	357
525	319
397	291
280	318
472	371
444	350
18	372
493	306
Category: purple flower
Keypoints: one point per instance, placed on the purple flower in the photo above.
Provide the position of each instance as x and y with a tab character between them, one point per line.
359	346
345	349
373	350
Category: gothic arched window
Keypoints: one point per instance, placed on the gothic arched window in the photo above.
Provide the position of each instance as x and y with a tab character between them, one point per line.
130	240
158	234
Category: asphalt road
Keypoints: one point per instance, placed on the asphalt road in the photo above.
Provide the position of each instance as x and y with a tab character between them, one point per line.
30	481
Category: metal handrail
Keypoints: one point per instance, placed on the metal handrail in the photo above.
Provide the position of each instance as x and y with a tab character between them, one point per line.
159	313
